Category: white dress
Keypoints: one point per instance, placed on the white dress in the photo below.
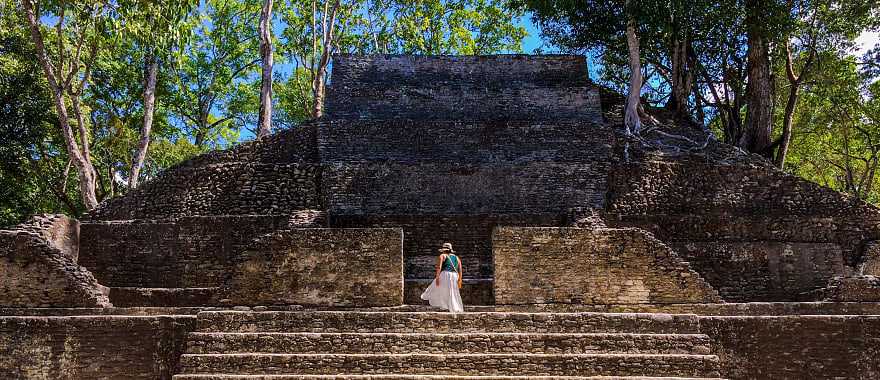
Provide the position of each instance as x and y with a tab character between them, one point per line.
446	294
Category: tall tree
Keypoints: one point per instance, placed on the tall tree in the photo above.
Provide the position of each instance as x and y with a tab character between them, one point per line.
606	28
78	29
153	28
211	94
34	169
759	104
818	27
632	120
836	133
265	119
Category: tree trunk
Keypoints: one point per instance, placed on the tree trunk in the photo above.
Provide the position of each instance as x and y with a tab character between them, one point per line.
327	22
794	81
265	118
785	139
631	118
759	90
681	77
83	165
140	155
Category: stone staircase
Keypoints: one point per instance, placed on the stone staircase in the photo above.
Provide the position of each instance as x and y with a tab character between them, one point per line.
427	345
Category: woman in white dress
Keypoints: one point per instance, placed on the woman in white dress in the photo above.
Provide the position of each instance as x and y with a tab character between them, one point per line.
443	291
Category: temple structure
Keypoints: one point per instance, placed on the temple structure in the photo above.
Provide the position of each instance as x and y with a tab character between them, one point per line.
587	252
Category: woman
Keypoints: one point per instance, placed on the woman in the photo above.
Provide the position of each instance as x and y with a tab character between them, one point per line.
443	291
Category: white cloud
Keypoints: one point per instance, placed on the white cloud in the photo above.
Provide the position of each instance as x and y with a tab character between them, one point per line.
866	41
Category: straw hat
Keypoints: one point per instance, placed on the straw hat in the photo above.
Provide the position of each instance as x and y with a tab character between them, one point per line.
447	247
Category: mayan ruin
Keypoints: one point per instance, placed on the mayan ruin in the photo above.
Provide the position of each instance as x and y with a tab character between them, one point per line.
587	252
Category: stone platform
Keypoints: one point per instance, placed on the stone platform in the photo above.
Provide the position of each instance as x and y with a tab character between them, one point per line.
414	343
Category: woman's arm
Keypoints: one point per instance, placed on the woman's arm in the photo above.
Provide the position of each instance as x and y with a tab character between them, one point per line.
460	274
437	272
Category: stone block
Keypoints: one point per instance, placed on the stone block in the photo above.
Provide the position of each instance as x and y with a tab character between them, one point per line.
38	267
190	252
320	266
602	266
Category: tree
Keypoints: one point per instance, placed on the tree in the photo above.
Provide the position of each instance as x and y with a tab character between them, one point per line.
265	119
79	29
153	28
309	42
34	170
836	134
211	91
603	27
818	26
632	120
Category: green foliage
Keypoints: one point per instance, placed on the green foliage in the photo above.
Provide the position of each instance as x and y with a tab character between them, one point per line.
30	150
837	134
428	27
221	53
438	27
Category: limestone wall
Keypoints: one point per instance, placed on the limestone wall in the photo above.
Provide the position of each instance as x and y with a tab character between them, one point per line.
602	266
188	252
511	87
470	235
319	266
276	175
38	267
380	167
796	347
412	141
92	347
754	233
255	260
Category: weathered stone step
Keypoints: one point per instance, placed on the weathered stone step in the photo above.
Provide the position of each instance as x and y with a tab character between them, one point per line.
162	297
420	377
427	343
454	364
429	322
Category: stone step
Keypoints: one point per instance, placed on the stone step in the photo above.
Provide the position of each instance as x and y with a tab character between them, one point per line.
419	377
428	343
453	364
433	322
474	291
163	297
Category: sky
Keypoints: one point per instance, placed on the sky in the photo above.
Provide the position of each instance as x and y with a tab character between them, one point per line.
533	40
867	41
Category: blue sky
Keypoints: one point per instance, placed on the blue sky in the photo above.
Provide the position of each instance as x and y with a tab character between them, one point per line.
533	41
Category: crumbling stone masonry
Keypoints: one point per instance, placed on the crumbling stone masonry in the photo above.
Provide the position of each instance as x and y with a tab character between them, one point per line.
593	266
38	266
320	266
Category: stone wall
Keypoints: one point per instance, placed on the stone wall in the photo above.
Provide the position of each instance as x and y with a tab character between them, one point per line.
59	231
462	168
756	234
796	347
276	175
506	87
234	188
92	347
319	266
38	267
192	252
470	235
602	266
458	188
852	289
